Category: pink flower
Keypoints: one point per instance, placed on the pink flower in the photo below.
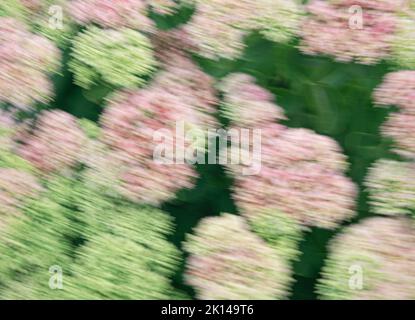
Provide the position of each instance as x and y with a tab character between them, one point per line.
327	31
55	143
15	187
397	89
129	124
246	104
380	253
112	14
301	176
401	128
25	60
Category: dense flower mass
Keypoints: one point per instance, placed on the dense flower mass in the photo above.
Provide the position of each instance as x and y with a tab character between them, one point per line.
372	260
15	187
364	34
165	7
25	61
111	14
301	176
246	104
129	126
123	253
397	89
135	128
309	194
401	128
391	186
55	142
301	173
403	47
119	58
191	85
227	261
218	29
46	17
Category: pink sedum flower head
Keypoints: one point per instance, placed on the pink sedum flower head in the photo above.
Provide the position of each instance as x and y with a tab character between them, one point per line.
153	183
397	89
295	147
228	261
380	255
401	128
190	84
213	38
172	46
25	61
246	104
132	118
301	176
129	126
309	194
55	142
332	30
279	20
111	14
391	187
218	28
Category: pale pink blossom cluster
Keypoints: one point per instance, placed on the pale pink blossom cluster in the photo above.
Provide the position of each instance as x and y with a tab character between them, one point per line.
180	93
25	61
214	34
129	126
401	128
15	187
301	174
247	104
112	14
398	89
334	29
180	76
218	28
228	261
55	142
374	259
171	45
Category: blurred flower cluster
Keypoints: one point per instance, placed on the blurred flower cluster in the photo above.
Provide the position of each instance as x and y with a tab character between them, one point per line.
84	203
302	173
365	31
379	252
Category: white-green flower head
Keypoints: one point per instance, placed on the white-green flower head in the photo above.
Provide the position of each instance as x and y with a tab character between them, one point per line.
391	187
119	58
